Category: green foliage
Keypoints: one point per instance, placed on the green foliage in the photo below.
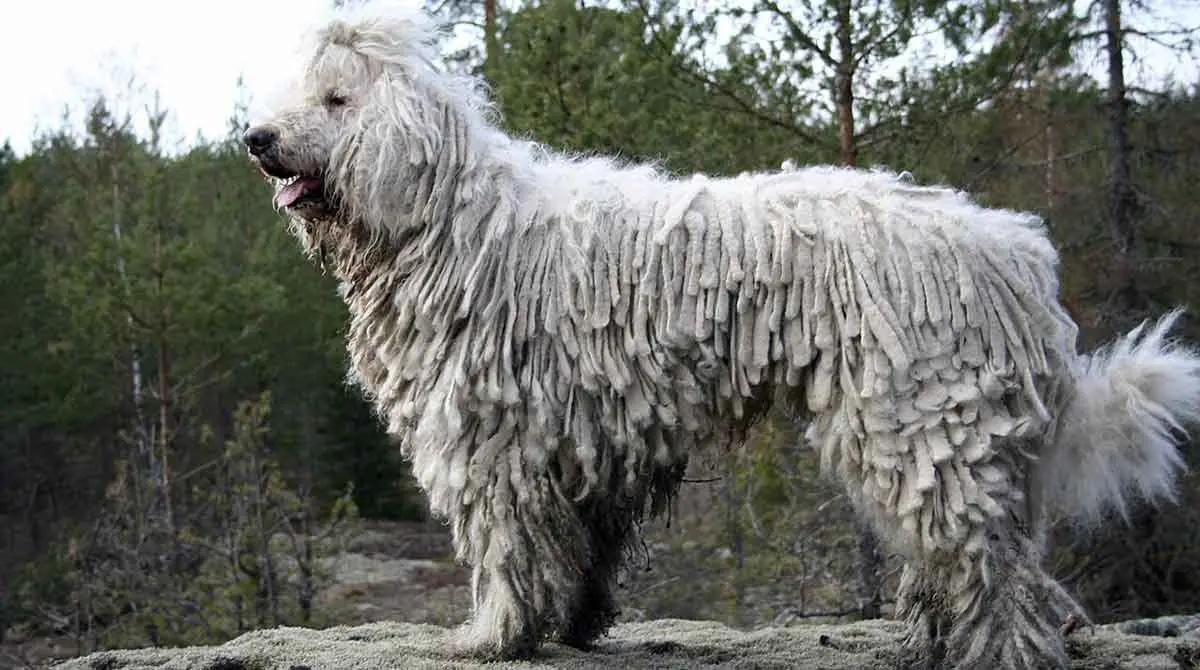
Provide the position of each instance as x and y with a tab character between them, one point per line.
593	79
906	66
36	584
267	540
383	488
250	552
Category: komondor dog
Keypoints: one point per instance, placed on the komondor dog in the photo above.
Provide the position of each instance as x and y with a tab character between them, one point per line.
549	338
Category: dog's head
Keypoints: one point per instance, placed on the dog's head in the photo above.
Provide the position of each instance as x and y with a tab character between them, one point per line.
370	119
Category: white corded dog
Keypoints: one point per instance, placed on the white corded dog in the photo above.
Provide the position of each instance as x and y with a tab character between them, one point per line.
549	338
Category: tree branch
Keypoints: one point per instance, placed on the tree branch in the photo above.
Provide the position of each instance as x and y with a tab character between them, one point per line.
698	76
1017	146
868	47
798	32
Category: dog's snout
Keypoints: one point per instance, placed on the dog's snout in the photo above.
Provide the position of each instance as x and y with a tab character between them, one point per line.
260	138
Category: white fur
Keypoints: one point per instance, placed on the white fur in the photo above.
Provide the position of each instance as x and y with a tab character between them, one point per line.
1117	438
550	338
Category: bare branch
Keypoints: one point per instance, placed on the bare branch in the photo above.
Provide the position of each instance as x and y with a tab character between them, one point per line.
1061	158
1155	36
1178	31
466	22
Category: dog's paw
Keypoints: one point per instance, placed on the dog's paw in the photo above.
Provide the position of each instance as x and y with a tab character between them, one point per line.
478	642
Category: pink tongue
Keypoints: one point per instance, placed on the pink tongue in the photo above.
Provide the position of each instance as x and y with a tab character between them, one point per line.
292	192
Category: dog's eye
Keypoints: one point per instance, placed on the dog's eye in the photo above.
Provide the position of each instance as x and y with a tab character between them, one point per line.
334	100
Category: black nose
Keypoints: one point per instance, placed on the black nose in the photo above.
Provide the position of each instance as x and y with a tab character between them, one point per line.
259	139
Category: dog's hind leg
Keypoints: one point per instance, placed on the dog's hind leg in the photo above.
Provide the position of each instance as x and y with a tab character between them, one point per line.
983	600
1006	611
992	609
921	604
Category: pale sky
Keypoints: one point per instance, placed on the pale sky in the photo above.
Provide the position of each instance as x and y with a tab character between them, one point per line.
56	54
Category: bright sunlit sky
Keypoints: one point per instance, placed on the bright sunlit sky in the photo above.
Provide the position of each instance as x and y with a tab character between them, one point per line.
56	54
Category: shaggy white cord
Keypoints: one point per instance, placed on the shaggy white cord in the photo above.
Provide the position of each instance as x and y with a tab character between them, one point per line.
549	338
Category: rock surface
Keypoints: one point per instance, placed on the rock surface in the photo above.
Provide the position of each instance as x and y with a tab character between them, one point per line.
662	644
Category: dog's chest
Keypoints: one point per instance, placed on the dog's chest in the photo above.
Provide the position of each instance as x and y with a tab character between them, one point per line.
398	341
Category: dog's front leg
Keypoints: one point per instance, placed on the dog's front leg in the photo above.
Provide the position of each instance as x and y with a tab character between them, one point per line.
528	552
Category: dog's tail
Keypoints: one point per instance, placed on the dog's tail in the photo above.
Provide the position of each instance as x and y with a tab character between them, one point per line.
1117	439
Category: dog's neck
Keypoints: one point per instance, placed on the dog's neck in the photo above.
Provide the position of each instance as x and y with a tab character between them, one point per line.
418	273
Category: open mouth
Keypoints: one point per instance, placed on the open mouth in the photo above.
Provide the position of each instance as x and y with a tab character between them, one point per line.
299	190
295	190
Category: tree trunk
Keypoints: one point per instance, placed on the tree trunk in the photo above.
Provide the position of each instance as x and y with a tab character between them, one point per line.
164	440
490	44
844	84
164	385
306	561
268	585
1122	197
141	434
1045	86
736	543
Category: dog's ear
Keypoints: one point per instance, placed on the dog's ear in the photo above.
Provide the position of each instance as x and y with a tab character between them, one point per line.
341	33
